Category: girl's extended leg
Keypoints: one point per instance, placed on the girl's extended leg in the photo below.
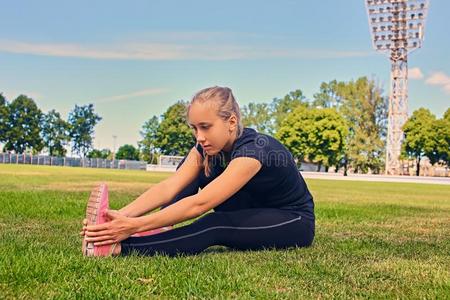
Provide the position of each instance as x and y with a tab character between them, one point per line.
254	228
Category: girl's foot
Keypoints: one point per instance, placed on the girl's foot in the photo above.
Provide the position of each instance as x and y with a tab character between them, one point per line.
97	206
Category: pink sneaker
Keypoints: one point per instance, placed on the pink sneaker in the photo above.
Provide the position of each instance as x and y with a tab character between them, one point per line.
96	209
153	231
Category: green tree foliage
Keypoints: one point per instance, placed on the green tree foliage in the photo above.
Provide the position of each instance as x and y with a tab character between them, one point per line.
365	109
329	95
82	120
55	133
128	152
174	136
442	140
427	136
280	108
257	116
328	131
293	135
95	153
147	145
23	126
4	115
316	134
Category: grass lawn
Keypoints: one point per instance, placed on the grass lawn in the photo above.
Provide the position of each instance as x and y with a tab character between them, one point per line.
373	239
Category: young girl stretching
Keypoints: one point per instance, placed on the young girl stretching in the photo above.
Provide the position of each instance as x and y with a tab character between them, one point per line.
249	179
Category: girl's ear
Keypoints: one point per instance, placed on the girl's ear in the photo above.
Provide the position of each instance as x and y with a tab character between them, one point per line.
233	122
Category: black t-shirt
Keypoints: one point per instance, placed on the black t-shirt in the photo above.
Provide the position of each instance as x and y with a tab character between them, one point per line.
278	184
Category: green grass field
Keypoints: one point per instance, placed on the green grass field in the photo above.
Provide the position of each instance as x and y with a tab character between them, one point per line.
373	240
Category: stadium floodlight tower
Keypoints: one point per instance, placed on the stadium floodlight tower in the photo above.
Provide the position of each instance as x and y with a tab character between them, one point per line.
397	28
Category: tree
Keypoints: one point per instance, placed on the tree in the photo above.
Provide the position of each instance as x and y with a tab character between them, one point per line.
257	116
55	133
147	145
82	120
23	126
427	136
174	137
419	137
442	140
326	136
328	95
365	110
316	134
293	135
95	153
4	115
280	108
128	152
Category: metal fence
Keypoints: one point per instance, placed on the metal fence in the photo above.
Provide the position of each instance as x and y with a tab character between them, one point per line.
29	159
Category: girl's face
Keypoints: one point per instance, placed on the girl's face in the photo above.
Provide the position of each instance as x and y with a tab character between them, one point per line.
212	132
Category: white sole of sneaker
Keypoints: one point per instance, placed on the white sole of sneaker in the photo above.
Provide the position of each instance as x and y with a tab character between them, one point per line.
92	211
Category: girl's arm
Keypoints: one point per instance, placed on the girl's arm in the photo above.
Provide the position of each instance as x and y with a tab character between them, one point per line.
164	191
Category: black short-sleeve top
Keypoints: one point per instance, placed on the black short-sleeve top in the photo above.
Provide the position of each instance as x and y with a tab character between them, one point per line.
278	184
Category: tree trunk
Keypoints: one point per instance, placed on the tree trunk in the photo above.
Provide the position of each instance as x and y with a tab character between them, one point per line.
326	169
318	167
418	166
345	164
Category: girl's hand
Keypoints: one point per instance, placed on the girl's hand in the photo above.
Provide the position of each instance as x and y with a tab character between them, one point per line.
83	230
117	229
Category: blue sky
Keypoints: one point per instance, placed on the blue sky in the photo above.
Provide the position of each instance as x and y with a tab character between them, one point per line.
133	59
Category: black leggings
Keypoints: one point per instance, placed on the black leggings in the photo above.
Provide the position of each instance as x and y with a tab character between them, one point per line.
236	223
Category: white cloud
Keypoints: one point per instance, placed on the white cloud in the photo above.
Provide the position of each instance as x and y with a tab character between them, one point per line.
440	79
149	51
183	49
141	93
415	73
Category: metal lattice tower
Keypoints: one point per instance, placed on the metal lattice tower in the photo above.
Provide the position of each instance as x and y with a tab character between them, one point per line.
397	28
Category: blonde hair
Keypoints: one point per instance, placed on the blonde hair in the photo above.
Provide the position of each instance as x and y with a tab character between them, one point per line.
226	107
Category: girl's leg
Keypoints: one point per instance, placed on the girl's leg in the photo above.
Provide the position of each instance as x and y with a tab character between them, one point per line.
245	229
